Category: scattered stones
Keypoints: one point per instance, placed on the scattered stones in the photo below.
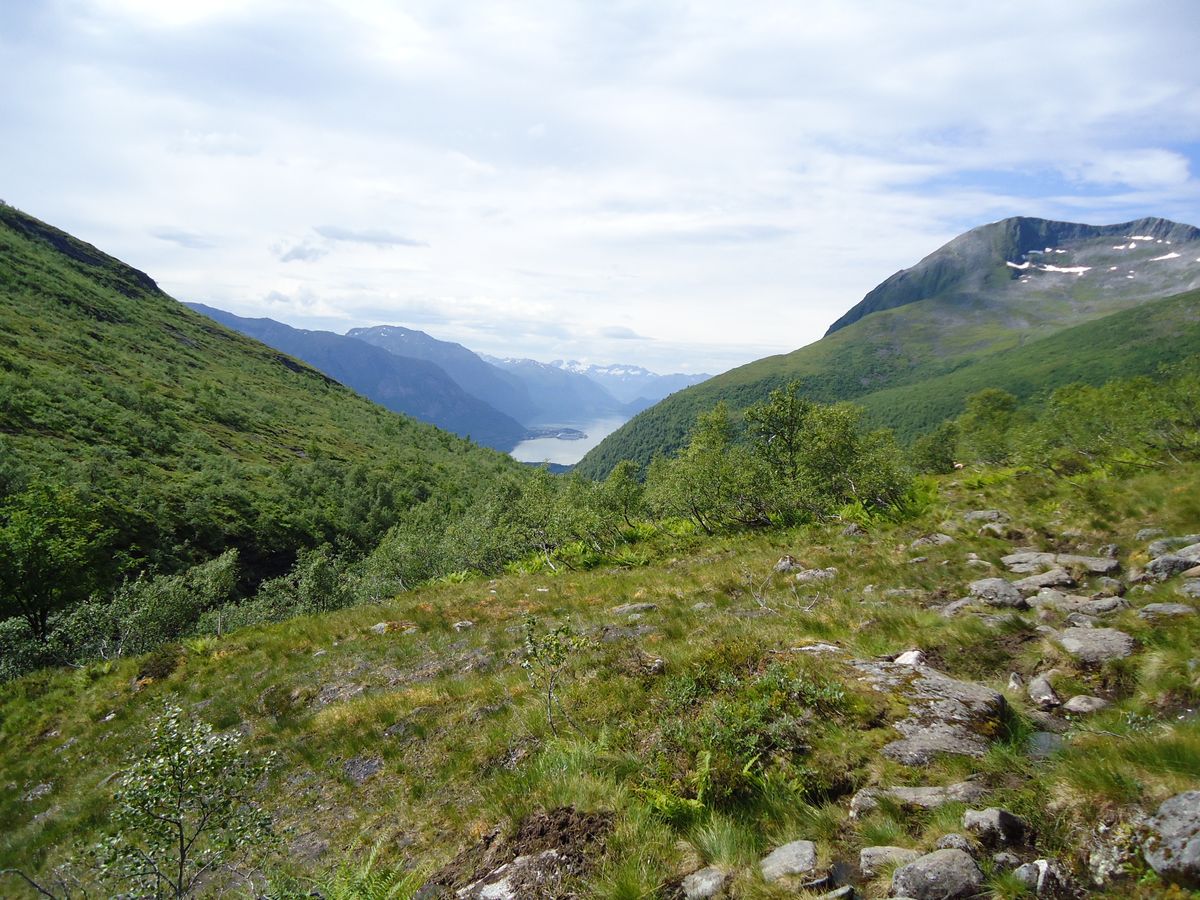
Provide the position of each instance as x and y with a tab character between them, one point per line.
464	625
1093	565
916	797
796	858
910	658
1153	611
931	540
1082	620
535	875
705	884
954	842
941	875
1027	562
37	792
994	827
945	715
997	592
1031	562
1045	877
1096	645
359	768
1083	704
1173	845
811	575
873	860
985	515
1042	692
626	609
1054	578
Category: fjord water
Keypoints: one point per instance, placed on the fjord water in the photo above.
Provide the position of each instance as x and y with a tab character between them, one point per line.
567	453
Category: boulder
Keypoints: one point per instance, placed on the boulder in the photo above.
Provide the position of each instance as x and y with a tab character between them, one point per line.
1166	545
1042	692
1191	552
941	875
985	515
873	860
997	592
931	540
1056	577
1152	611
626	609
1146	534
1173	846
1191	588
788	861
1111	587
994	827
1005	860
950	610
1096	645
1028	561
1082	705
1093	565
811	575
1043	744
1163	567
955	842
705	884
464	625
910	658
787	564
916	797
1044	877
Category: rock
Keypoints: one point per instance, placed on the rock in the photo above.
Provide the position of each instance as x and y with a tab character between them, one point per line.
610	634
626	609
945	715
787	564
1048	722
985	515
997	592
464	625
1096	645
873	860
37	792
811	575
1191	588
1005	860
1056	577
359	768
1167	544
796	858
854	530
1173	846
1192	552
1163	567
845	892
941	875
1028	561
1093	565
918	559
994	827
954	842
1146	534
1044	877
1043	744
1015	681
931	540
1042	692
753	612
705	884
916	797
1109	551
1111	587
910	658
1153	611
534	875
1082	705
391	627
950	610
818	648
1082	620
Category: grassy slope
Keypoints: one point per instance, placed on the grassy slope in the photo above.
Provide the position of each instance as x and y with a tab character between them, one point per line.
912	366
103	376
474	751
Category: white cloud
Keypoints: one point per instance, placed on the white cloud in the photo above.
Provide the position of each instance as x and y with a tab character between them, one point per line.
721	180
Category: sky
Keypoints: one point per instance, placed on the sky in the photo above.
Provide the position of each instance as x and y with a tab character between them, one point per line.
683	185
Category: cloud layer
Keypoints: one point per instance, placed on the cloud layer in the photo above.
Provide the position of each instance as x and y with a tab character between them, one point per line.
681	185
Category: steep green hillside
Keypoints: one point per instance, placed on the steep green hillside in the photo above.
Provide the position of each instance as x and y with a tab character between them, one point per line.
184	437
986	292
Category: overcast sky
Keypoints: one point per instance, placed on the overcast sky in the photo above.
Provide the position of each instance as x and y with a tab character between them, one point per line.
687	186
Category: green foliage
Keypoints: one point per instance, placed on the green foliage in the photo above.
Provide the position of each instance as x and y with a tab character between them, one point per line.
986	426
549	658
183	811
368	880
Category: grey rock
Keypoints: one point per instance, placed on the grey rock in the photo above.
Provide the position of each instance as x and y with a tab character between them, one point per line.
993	827
931	540
1082	620
1015	681
1191	552
796	858
1053	578
753	612
626	609
916	797
1082	705
705	884
910	658
1028	561
1110	551
1191	588
1167	544
1153	611
37	792
1112	587
1006	860
1044	877
918	559
1043	744
359	768
380	628
1173	845
787	564
1096	645
873	860
1048	721
985	515
1102	606
945	715
810	575
950	610
1042	692
854	530
1093	565
464	625
1163	567
941	875
955	842
610	634
997	592
535	875
1146	534
845	892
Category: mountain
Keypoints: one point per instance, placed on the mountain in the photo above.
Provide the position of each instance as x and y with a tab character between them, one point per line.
411	386
993	289
481	379
632	385
186	438
562	397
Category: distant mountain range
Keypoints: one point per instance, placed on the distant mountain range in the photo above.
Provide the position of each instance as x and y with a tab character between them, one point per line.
1025	304
496	402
